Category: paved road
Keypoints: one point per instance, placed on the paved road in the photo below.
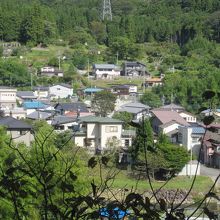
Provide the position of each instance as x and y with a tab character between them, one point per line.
211	172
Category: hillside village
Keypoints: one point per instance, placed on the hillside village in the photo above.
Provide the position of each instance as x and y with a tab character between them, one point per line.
109	109
67	110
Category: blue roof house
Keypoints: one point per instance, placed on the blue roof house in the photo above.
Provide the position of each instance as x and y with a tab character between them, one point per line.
31	106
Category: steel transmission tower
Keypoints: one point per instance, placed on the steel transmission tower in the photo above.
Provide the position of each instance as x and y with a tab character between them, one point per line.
107	10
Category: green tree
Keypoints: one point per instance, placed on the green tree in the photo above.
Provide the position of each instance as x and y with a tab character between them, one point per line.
98	30
103	103
151	99
126	117
176	156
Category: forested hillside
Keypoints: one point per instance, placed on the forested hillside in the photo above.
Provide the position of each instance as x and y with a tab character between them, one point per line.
140	21
184	34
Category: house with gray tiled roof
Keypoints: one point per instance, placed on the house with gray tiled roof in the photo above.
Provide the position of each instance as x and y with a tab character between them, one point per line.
18	130
22	96
72	109
105	71
63	123
137	109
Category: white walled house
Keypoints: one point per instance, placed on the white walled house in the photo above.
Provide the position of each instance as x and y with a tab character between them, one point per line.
41	92
61	91
7	97
190	137
188	116
99	133
105	71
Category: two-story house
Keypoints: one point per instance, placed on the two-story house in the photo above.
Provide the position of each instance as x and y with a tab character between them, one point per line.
7	97
190	137
99	133
167	122
105	71
211	146
51	71
133	69
61	91
124	90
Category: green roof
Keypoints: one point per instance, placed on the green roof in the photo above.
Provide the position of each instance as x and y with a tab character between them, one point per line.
128	133
101	120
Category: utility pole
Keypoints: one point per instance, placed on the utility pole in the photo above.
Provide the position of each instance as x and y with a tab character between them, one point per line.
106	10
31	81
117	58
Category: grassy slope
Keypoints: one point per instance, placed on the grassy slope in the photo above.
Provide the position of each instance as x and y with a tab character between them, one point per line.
202	183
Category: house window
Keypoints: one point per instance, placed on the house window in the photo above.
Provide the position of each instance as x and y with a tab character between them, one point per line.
111	129
22	132
127	142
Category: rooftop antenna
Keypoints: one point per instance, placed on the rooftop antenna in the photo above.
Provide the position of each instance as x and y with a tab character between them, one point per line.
106	10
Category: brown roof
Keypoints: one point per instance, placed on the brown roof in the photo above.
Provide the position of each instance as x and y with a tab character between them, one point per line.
212	136
154	80
168	116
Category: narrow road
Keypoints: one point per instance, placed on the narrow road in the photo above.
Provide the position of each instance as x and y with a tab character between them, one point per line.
211	172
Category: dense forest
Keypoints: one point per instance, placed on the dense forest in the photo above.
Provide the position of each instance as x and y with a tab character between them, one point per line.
184	33
140	21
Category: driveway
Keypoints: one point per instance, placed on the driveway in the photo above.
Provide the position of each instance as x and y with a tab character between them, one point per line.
211	172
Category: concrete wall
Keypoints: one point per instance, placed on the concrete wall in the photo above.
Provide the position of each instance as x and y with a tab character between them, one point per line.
190	169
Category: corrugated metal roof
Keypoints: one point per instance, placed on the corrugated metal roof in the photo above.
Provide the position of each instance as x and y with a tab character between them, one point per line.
92	90
33	105
105	66
198	130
